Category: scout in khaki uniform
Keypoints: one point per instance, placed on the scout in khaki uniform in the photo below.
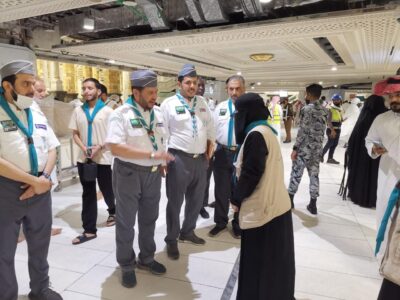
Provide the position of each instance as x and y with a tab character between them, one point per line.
27	157
136	136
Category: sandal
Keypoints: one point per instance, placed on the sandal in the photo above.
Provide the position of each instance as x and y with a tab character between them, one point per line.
110	220
83	238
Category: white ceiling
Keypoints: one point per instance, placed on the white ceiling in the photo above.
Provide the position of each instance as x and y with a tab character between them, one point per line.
363	40
11	10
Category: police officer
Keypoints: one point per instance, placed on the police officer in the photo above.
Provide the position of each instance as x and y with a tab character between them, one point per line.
89	125
136	136
27	157
333	131
307	149
191	135
224	156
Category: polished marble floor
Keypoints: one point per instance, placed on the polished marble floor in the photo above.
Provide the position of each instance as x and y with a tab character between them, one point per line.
334	252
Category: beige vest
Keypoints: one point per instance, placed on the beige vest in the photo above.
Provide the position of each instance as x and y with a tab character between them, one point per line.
270	198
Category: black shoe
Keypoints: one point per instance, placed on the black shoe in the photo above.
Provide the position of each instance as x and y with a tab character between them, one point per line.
191	238
212	204
129	279
332	161
216	231
236	232
204	214
291	196
47	294
153	267
173	251
312	206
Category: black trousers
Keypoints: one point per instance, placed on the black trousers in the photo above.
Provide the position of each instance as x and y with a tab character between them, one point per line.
209	172
89	196
223	172
389	291
332	143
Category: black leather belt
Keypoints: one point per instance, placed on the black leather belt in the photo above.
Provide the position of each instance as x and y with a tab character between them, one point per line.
231	148
191	155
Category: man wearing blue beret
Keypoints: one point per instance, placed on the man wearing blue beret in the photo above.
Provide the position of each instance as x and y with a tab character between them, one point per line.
191	135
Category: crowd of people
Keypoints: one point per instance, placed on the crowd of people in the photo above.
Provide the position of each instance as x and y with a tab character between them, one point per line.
126	148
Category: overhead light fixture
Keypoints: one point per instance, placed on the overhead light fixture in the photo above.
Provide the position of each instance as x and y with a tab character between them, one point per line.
261	57
335	85
166	50
258	83
320	82
239	73
265	1
88	24
334	68
252	87
111	61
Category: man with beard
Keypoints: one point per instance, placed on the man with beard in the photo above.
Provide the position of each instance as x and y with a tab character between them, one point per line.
136	136
383	140
333	131
189	124
27	157
307	149
89	126
224	156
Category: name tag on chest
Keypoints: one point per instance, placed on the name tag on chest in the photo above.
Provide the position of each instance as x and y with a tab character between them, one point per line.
9	125
136	123
180	110
222	112
41	126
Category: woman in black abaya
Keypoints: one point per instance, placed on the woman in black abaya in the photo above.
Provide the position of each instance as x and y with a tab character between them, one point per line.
363	170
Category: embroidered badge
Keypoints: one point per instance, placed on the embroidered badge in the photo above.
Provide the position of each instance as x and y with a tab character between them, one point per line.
9	125
180	109
160	125
41	126
222	112
136	123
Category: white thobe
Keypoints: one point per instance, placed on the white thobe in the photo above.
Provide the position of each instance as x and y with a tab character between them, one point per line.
351	113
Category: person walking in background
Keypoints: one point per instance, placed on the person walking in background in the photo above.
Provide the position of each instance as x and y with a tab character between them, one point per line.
288	118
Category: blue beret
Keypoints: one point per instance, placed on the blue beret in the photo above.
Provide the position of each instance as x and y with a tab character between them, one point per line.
144	78
336	97
188	70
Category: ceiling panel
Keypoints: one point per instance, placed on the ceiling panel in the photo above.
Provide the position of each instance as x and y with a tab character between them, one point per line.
363	39
11	10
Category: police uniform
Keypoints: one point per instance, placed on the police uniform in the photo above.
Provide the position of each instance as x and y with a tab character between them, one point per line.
223	163
79	122
137	182
313	118
35	213
187	175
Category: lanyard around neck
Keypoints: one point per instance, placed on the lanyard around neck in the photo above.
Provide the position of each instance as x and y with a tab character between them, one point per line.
192	111
90	117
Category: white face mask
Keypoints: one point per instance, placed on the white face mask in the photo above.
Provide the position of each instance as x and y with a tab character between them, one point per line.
23	102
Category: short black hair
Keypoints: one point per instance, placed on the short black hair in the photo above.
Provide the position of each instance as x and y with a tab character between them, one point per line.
236	77
314	90
139	88
11	79
94	80
103	89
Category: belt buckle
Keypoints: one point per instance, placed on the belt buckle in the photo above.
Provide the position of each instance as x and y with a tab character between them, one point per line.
154	169
232	148
195	155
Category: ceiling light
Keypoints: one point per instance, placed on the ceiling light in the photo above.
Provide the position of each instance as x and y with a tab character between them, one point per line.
252	87
166	50
261	57
239	73
88	24
335	85
321	82
111	61
265	1
258	83
333	69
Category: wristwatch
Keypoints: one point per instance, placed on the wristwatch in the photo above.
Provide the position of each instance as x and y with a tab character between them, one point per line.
152	155
46	175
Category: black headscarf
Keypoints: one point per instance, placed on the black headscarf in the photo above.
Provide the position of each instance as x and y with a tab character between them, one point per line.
249	108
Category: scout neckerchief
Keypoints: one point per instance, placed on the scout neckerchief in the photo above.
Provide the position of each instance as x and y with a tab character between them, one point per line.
246	131
394	198
230	126
90	117
192	111
33	159
142	121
